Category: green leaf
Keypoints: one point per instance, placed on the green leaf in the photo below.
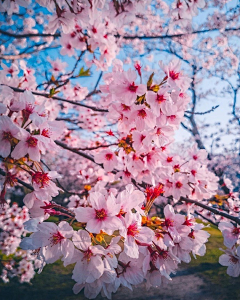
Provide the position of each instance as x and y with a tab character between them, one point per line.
84	73
53	92
150	81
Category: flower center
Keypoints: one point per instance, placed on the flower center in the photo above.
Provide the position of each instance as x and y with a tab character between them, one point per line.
132	87
174	75
121	212
176	168
7	136
142	113
163	253
133	229
236	231
56	238
159	132
32	142
233	259
101	214
27	111
46	133
172	117
41	178
127	173
178	184
125	107
160	98
109	156
179	4
193	172
188	222
87	254
168	223
94	29
191	235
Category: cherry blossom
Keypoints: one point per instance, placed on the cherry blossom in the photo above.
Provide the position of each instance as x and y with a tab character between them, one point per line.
102	215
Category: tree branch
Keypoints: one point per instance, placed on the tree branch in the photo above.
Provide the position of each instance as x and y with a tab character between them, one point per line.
202	113
213	210
60	99
28	35
176	35
64	146
3	173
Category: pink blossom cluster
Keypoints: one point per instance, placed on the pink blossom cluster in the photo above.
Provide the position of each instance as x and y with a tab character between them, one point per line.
97	25
231	256
15	262
91	26
147	116
108	229
27	131
115	246
184	10
231	234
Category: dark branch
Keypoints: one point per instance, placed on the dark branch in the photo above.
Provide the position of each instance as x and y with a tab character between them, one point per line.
3	173
176	35
202	113
213	210
28	35
60	99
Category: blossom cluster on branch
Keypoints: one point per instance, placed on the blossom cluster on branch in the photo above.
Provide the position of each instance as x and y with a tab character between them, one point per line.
15	262
103	162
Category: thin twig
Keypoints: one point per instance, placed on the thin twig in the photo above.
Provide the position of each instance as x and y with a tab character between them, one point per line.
213	210
202	113
19	180
59	98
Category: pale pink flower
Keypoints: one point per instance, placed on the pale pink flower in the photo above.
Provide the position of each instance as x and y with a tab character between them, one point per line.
124	87
199	238
195	5
198	155
143	118
89	266
13	70
162	135
67	47
58	66
156	100
63	19
8	131
231	259
107	158
180	186
230	233
134	233
132	273
43	184
172	223
141	140
102	215
174	116
175	78
112	249
29	144
55	241
130	198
